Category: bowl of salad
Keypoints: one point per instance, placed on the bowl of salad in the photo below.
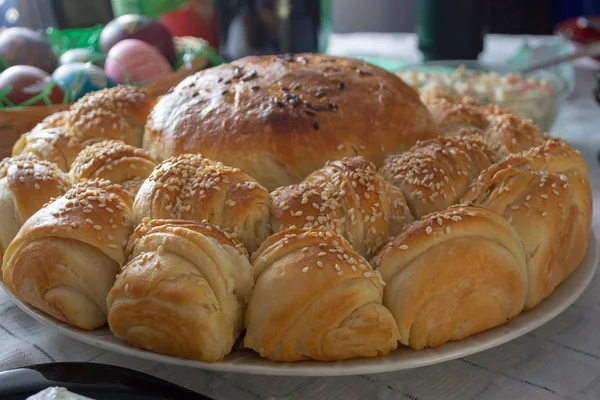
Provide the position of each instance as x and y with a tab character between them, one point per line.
537	95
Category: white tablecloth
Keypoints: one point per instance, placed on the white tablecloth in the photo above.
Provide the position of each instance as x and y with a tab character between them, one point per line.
560	360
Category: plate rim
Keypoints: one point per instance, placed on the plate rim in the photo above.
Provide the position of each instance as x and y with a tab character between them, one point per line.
524	323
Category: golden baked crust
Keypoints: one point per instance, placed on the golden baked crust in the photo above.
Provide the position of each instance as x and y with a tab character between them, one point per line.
315	298
53	144
115	161
348	197
279	118
545	194
192	187
183	292
436	173
452	274
65	258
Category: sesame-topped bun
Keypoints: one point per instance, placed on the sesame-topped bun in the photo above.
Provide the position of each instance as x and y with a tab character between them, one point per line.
192	187
116	113
115	161
459	114
347	197
55	120
315	298
545	195
436	173
25	187
65	258
183	292
279	118
8	161
453	274
53	144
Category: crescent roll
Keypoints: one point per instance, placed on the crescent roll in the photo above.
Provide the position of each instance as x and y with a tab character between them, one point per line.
436	173
545	195
191	187
26	184
183	292
52	144
348	197
65	258
115	161
452	274
315	298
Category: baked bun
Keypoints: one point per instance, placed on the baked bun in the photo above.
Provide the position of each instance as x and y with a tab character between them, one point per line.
463	114
315	298
117	113
53	144
279	118
65	258
348	197
436	173
545	195
183	292
25	187
115	161
191	187
452	274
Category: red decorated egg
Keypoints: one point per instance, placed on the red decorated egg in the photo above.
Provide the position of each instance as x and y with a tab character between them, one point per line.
23	46
23	83
132	61
133	26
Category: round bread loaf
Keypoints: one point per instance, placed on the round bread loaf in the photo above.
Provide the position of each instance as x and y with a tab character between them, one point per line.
278	118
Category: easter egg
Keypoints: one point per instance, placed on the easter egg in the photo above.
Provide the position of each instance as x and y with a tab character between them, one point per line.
23	46
132	61
21	83
133	26
82	56
77	79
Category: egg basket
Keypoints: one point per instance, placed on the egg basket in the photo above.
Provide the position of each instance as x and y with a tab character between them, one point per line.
193	55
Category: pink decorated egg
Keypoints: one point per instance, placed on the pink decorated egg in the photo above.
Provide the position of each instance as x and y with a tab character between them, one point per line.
132	61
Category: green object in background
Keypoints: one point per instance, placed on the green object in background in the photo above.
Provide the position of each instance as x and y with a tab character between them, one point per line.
150	8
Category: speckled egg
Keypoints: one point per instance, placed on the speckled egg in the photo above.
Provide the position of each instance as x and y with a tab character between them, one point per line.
132	61
82	56
22	83
77	79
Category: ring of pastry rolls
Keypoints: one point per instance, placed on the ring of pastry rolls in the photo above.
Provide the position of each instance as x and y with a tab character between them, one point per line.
115	161
545	194
436	173
65	258
346	196
452	274
315	298
53	144
183	292
192	187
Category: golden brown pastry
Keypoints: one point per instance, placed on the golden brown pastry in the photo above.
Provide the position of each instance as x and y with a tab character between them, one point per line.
315	298
65	258
458	114
118	113
279	118
183	292
191	187
436	173
545	195
25	186
452	274
115	161
56	145
348	197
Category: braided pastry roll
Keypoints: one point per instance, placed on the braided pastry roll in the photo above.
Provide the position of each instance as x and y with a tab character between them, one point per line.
64	259
452	274
183	292
115	161
436	173
53	144
315	298
545	194
348	197
192	187
26	184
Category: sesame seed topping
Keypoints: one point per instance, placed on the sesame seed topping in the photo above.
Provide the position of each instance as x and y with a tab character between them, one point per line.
403	247
428	230
305	269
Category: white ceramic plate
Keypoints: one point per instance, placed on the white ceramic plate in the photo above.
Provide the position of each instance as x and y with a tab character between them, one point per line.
244	361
